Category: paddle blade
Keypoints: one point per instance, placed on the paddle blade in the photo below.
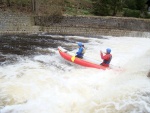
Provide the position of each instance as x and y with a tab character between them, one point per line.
73	58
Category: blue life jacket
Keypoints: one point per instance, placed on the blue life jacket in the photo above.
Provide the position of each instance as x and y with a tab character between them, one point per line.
80	52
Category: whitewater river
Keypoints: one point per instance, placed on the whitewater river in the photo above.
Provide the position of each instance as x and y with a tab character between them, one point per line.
34	78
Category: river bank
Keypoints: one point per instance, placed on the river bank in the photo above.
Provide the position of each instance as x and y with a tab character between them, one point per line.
16	23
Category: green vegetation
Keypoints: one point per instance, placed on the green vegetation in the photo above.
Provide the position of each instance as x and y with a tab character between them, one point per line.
126	8
78	7
131	13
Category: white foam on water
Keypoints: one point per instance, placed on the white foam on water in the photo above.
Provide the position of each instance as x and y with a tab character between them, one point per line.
49	84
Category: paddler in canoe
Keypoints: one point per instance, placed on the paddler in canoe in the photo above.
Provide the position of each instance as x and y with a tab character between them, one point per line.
106	58
81	50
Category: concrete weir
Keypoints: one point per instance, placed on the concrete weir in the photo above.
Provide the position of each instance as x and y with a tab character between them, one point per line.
16	23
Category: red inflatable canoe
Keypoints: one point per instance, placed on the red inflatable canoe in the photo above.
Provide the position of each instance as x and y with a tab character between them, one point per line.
70	57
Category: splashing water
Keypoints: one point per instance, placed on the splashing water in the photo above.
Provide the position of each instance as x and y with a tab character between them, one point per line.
43	82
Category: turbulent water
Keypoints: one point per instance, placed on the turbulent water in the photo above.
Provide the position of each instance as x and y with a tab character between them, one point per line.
34	78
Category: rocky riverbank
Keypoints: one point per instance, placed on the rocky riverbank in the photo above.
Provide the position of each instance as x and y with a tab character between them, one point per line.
16	23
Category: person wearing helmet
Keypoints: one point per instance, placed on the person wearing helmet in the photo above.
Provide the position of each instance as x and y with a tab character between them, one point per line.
106	58
81	50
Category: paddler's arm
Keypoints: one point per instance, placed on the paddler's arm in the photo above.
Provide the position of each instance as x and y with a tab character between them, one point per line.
104	57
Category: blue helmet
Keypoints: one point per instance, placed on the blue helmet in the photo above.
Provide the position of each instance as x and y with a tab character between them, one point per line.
108	50
80	44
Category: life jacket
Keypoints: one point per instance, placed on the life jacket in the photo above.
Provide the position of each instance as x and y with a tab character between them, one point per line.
80	52
108	61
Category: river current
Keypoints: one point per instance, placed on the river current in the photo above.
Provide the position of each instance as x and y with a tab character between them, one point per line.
34	78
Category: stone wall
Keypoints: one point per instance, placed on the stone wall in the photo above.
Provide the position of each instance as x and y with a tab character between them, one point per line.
132	24
95	26
14	23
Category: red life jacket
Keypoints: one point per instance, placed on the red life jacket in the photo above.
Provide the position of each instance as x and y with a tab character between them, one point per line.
106	60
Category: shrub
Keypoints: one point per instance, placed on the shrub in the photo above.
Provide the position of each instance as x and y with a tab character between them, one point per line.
147	15
131	13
